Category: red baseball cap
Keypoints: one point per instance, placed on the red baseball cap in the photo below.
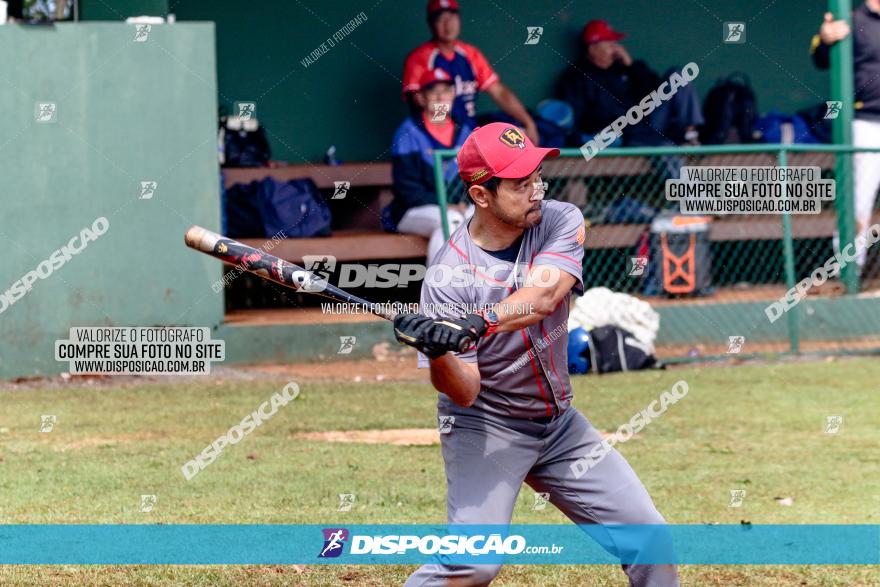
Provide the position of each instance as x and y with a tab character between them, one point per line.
435	6
600	30
500	150
434	76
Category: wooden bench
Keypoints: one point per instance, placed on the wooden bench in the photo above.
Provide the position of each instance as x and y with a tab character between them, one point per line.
357	234
359	174
347	245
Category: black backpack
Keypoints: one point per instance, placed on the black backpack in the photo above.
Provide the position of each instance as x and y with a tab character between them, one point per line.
242	147
730	110
615	349
269	208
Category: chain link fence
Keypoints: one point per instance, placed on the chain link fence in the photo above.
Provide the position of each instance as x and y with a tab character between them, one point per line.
745	261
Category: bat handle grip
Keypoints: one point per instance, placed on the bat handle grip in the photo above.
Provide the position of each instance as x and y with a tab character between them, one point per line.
465	345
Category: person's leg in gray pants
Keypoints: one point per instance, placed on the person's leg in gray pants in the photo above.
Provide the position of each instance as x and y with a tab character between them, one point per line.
487	461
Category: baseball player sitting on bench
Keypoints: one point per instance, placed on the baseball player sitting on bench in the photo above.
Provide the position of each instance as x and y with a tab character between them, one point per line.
506	401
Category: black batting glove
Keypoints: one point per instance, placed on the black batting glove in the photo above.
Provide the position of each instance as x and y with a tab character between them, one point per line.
457	334
413	330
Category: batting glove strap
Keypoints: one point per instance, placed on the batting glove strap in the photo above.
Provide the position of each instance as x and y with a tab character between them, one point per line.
451	333
478	324
491	321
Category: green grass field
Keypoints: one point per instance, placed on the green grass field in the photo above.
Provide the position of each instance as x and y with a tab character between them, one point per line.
755	426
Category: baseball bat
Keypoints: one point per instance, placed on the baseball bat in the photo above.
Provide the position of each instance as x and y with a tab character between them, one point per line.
278	270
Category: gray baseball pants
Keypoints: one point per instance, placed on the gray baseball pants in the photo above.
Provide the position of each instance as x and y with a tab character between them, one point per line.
487	459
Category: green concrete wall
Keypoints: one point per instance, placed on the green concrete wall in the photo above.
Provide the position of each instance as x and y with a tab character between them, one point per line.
351	96
126	112
847	318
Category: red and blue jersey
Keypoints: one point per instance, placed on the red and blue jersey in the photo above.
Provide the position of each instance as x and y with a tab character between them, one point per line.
466	65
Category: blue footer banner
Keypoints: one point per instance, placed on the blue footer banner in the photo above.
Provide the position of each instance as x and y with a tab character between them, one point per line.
208	544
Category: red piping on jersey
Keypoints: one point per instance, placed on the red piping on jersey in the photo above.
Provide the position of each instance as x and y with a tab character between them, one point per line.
552	364
535	371
477	273
459	251
566	257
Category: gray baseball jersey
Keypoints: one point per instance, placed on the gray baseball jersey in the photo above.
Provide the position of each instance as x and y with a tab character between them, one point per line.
524	374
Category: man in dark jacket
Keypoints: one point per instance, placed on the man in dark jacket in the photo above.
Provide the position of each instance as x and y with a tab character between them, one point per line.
606	82
414	209
866	126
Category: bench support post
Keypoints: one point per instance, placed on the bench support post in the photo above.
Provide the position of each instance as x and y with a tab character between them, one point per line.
441	192
793	314
843	90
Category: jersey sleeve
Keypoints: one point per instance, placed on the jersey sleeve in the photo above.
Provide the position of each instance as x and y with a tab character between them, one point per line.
413	68
564	245
446	301
484	73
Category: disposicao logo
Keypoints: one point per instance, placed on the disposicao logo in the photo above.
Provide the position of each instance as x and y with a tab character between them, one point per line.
334	540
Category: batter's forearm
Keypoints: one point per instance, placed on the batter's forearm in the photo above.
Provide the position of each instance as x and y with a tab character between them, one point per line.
530	305
521	309
456	378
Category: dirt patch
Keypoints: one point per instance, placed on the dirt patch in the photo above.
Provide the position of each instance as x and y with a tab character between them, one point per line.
388	363
397	437
385	365
59	445
391	365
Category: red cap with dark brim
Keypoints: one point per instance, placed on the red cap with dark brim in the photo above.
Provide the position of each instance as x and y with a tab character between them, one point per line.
499	150
434	76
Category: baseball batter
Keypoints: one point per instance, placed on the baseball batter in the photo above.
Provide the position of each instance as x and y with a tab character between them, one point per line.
505	403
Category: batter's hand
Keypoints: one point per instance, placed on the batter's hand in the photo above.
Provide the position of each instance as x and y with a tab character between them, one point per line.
457	334
412	330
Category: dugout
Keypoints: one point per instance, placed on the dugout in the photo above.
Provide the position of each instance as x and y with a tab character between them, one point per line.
131	112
